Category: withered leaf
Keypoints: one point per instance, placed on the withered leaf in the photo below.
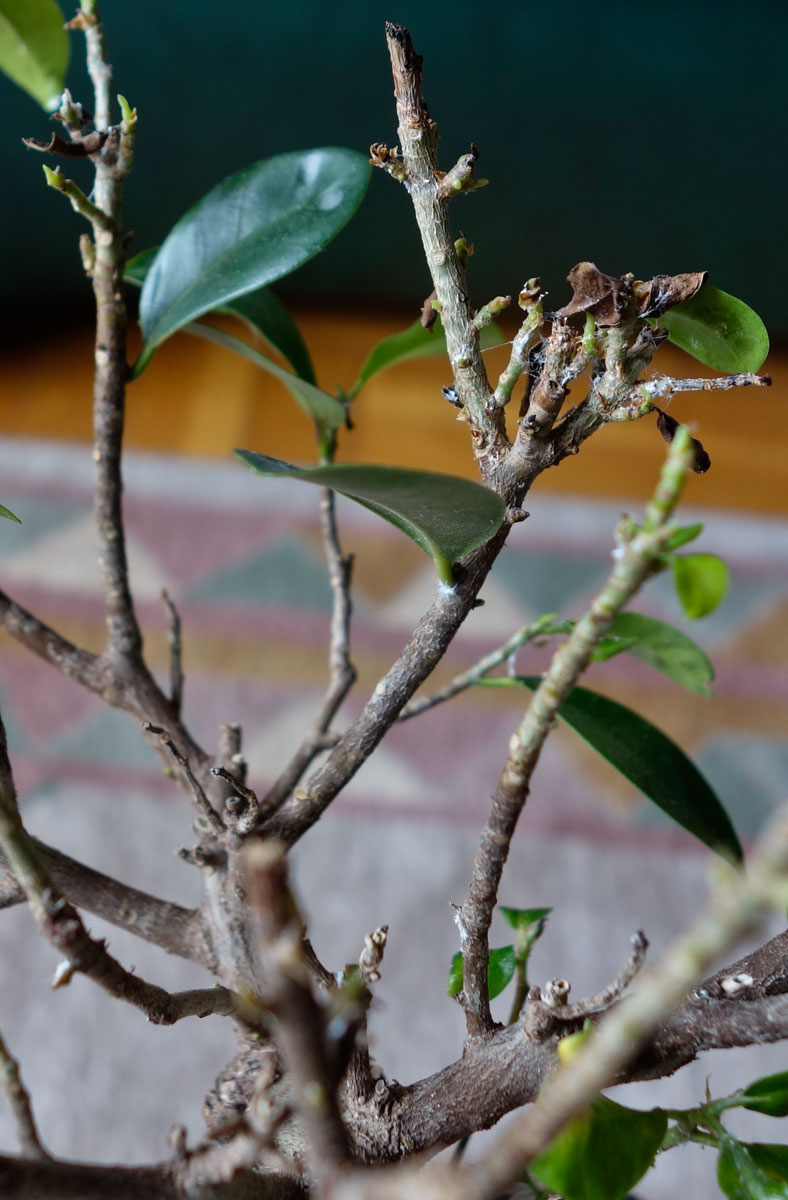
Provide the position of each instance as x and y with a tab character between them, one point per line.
667	426
603	296
80	148
664	291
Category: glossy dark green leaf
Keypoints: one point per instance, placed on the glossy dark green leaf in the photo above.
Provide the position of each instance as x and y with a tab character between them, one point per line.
768	1095
321	407
718	330
648	759
665	649
701	583
500	971
683	535
414	342
443	514
253	228
34	48
770	1158
6	512
740	1177
602	1154
262	311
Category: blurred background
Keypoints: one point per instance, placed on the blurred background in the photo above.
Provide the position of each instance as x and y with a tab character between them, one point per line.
646	141
645	138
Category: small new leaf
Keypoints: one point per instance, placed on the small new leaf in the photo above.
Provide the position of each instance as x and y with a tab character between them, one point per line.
500	971
701	582
6	512
664	648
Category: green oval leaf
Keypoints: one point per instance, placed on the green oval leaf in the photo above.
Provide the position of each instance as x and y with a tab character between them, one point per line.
768	1095
701	583
771	1158
529	924
443	514
322	408
665	649
718	330
253	228
414	342
602	1154
684	534
648	759
262	311
524	919
740	1178
500	971
6	512
34	48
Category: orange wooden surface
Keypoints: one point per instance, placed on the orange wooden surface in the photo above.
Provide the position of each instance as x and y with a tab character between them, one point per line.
197	398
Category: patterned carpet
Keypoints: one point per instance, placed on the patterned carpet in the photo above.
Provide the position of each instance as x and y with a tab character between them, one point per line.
241	557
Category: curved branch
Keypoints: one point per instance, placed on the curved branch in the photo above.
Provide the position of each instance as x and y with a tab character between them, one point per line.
175	929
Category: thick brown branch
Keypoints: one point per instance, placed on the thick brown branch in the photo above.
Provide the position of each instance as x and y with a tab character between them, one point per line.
53	1180
300	1023
177	930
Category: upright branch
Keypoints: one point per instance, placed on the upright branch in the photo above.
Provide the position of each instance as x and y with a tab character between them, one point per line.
417	168
342	673
278	930
11	1082
637	556
106	259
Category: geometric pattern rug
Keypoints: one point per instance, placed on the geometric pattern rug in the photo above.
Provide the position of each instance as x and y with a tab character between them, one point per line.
241	558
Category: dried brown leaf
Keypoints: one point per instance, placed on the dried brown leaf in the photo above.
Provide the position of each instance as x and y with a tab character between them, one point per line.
667	426
664	291
603	296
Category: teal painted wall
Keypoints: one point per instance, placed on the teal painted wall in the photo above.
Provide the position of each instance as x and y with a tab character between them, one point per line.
648	138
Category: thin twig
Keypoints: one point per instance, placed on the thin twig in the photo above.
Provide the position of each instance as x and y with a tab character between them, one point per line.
603	999
176	652
342	672
636	558
466	679
196	789
19	1099
111	371
61	925
665	386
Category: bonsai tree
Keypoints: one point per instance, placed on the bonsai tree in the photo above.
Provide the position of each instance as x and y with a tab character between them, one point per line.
316	1113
